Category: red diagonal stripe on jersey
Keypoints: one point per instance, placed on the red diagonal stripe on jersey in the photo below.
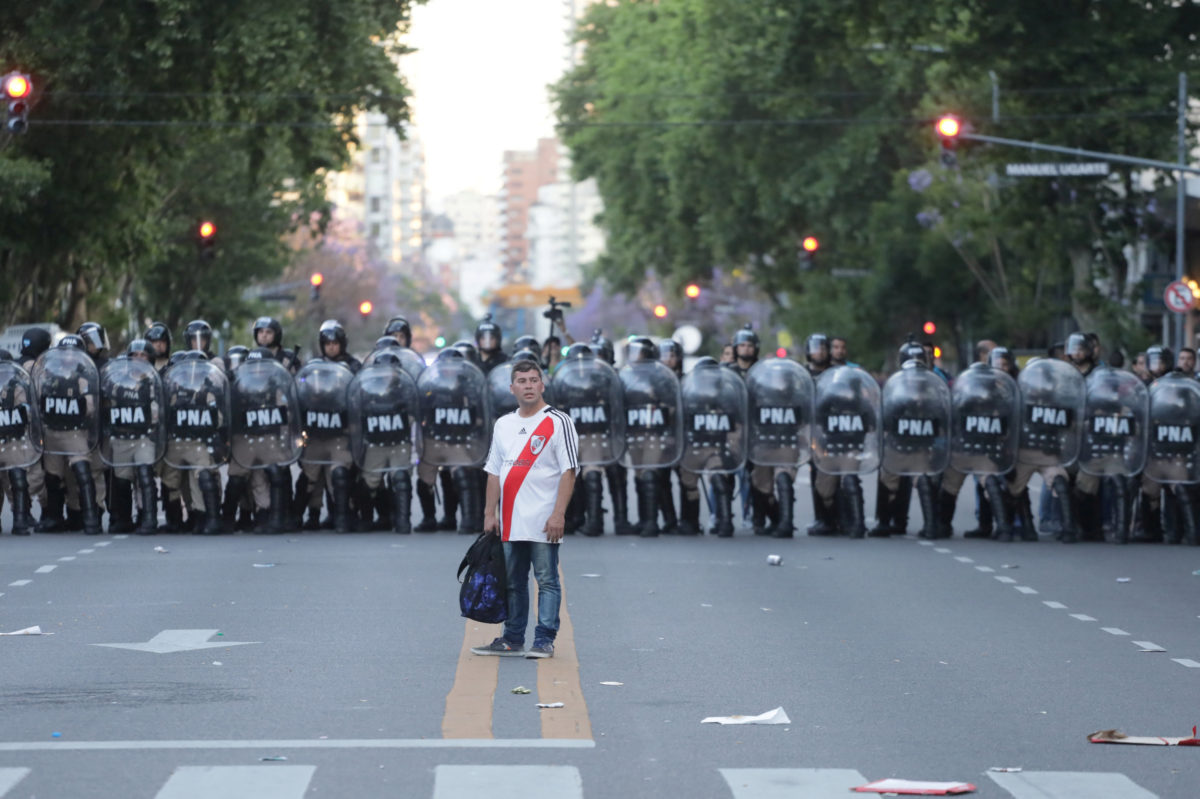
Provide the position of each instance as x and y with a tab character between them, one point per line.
516	475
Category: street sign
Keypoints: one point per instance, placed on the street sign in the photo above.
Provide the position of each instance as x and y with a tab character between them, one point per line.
179	641
1178	297
1081	169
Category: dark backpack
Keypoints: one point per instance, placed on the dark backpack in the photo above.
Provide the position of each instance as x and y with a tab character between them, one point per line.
483	595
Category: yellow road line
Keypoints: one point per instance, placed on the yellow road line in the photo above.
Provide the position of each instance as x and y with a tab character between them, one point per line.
558	681
469	703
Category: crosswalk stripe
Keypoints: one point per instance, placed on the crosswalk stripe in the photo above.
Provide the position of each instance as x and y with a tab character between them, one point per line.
787	783
19	583
1149	646
985	569
1082	617
1069	785
507	782
45	569
963	559
1055	605
1000	578
237	782
1188	662
1024	589
1114	631
9	777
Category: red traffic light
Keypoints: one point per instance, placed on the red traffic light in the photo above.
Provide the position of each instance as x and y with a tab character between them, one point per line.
207	230
660	311
781	352
930	328
810	244
365	307
317	279
692	291
948	127
17	86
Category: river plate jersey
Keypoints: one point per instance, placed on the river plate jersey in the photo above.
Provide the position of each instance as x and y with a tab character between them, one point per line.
529	455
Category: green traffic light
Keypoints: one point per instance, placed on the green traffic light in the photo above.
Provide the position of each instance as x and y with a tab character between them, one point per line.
440	341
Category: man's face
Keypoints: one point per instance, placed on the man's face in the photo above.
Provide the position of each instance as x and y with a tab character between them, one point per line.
837	350
727	353
928	353
332	349
265	337
400	336
139	356
745	350
527	387
671	359
160	347
1187	362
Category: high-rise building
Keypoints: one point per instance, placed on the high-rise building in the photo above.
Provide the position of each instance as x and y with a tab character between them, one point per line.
525	171
562	236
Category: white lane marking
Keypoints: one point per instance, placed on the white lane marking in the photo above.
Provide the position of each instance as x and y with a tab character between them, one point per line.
963	559
305	743
1024	589
67	557
9	777
85	552
103	543
985	569
787	783
1191	664
507	782
1069	785
1149	646
121	537
179	641
18	583
1055	605
925	543
1082	617
941	550
44	569
1000	578
1	594
1114	631
238	782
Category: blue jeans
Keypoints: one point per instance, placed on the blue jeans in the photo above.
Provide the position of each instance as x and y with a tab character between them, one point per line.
518	555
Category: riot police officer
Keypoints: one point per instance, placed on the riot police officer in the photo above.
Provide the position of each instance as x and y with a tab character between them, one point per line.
764	505
327	454
159	336
654	431
670	352
615	473
49	489
197	399
399	329
20	439
824	486
132	431
488	338
268	333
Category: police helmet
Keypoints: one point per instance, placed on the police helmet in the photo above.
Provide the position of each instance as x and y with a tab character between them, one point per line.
177	356
670	347
579	350
72	342
526	343
391	358
745	335
1002	358
641	348
193	355
331	330
816	348
268	323
604	347
93	333
706	362
468	350
912	350
1159	360
257	354
34	342
383	342
398	324
526	355
237	355
488	335
139	346
1080	348
198	335
450	353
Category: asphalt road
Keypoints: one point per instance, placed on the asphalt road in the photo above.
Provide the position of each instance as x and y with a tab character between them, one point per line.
892	658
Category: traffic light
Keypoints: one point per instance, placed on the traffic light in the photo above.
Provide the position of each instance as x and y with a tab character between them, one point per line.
315	281
930	328
691	291
781	352
808	252
948	128
17	87
206	237
660	311
439	342
365	307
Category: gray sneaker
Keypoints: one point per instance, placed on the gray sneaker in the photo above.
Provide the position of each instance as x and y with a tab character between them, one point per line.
541	649
501	647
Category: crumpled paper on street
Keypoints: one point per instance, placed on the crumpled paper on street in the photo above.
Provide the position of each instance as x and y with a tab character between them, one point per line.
776	716
34	630
1118	737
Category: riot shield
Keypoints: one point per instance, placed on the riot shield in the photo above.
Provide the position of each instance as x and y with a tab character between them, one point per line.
1114	423
916	422
20	422
590	392
1173	426
846	413
779	414
412	363
324	414
132	429
68	389
984	418
383	408
653	414
266	415
499	381
455	412
714	420
197	418
1053	394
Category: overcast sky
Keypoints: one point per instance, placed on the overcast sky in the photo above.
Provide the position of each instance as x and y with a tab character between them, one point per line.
479	78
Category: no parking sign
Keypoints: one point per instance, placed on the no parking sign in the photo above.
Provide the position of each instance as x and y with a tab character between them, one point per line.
1178	297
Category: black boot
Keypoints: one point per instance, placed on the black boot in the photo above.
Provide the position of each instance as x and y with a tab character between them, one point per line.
785	498
758	509
885	502
593	492
428	502
689	514
576	516
1185	515
340	476
1149	528
1022	512
984	530
850	494
173	512
22	520
51	520
929	514
469	502
1120	500
235	491
210	492
450	501
148	521
618	492
300	502
646	485
722	493
1087	513
89	513
279	480
401	489
120	507
945	510
900	507
666	502
381	501
998	500
1070	530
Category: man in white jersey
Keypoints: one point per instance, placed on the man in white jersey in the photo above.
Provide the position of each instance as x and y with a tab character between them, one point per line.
531	472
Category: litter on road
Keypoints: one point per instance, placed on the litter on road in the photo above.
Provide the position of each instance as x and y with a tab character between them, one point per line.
774	560
274	757
1005	769
549	704
776	716
1118	737
610	682
1122	579
521	689
34	630
161	550
264	565
589	575
916	787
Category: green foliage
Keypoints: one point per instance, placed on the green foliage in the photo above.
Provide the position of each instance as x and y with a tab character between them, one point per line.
241	109
722	132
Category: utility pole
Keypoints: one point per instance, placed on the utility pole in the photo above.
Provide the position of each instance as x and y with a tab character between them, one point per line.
1181	204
